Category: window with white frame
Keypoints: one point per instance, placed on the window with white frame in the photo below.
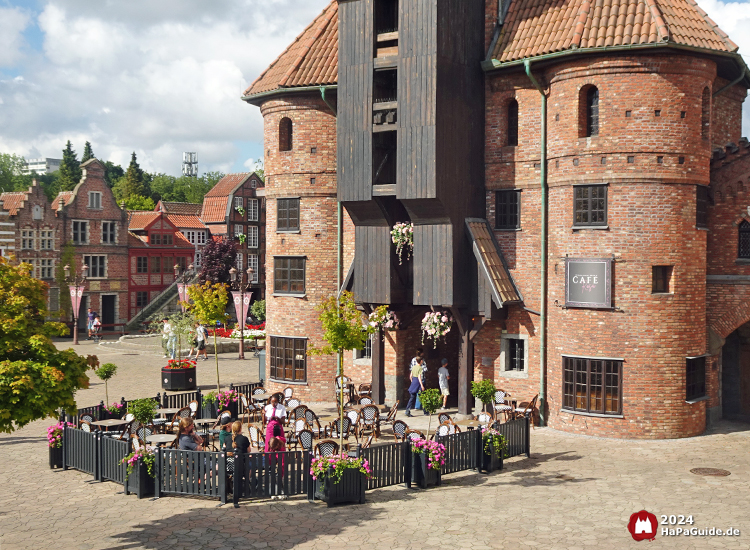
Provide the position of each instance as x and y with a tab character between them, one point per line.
252	263
252	236
190	236
252	210
95	199
80	232
238	202
108	232
27	239
45	268
201	236
514	355
198	259
238	230
238	262
97	266
46	240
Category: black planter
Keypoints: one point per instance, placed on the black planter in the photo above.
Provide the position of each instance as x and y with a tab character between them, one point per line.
351	488
492	461
55	457
232	408
178	379
421	475
209	410
105	415
139	482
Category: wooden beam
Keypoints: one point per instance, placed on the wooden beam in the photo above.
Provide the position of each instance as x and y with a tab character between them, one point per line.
378	368
465	362
480	320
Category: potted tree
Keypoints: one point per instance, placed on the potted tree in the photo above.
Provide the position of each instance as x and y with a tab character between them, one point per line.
141	473
431	401
428	457
143	410
485	392
104	373
209	302
210	405
340	478
494	447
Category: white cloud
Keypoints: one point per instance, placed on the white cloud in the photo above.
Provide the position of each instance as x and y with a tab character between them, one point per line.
13	21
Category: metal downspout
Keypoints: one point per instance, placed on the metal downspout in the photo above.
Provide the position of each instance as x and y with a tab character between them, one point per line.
543	292
743	72
339	238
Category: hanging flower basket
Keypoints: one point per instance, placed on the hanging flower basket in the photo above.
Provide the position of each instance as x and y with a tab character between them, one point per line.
435	325
383	319
402	236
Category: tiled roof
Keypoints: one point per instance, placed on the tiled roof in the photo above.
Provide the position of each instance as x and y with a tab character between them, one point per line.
13	201
311	60
537	27
214	209
134	241
218	229
491	262
182	221
185	208
138	219
62	198
226	185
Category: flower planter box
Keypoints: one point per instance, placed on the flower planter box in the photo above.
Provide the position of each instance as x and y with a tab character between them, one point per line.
109	416
178	379
55	457
422	476
351	488
209	410
492	461
139	482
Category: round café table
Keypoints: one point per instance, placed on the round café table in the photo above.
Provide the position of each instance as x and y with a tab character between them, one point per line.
161	439
109	423
168	410
471	424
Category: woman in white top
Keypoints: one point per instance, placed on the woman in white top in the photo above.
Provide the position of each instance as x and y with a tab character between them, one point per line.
275	415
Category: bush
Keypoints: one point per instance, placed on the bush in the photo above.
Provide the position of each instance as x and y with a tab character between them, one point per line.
484	391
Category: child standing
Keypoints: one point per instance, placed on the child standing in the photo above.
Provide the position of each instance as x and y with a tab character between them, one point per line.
443	377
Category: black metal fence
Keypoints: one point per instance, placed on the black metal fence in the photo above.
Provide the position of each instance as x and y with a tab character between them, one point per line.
111	453
199	473
247	389
81	451
263	475
388	464
462	451
180	400
517	437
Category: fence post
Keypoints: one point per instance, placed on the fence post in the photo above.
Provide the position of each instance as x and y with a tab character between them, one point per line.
223	477
199	399
528	438
308	477
239	472
407	463
65	446
98	456
479	451
157	471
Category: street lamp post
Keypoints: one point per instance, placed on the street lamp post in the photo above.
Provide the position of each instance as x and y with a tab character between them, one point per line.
241	295
182	283
76	284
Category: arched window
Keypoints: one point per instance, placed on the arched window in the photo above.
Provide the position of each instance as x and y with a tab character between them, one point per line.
285	134
706	114
592	112
743	242
513	123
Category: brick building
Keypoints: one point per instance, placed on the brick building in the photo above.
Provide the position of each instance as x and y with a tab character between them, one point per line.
155	246
185	216
97	227
235	208
604	266
38	233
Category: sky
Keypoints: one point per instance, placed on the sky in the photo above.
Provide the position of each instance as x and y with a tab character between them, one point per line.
162	77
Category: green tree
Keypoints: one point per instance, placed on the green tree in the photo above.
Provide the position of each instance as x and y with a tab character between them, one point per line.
70	169
104	373
112	172
209	307
343	329
431	400
35	378
133	184
258	310
139	202
88	154
484	390
10	172
67	257
260	170
162	187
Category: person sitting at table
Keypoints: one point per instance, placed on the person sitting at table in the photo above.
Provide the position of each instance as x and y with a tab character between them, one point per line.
187	439
226	431
275	414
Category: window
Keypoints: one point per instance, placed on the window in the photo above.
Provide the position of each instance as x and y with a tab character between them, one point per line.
141	299
701	206
108	232
198	256
513	123
45	269
592	385
181	262
27	239
695	378
80	232
507	209
288	359
37	213
252	210
661	279
589	112
252	263
141	264
155	264
289	275
201	236
46	240
238	230
706	114
97	266
590	205
54	299
743	244
252	236
190	236
239	264
95	200
366	352
285	134
287	215
155	238
167	239
515	355
238	202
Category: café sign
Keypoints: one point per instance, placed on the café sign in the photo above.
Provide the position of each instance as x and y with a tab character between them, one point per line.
588	282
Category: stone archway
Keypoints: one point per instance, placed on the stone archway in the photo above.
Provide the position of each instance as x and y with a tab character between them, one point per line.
728	306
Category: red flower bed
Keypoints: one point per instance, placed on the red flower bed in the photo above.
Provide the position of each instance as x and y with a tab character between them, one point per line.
227	333
180	364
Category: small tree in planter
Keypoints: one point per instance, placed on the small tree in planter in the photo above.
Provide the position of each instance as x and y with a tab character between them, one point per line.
143	410
484	391
209	305
494	449
183	326
340	478
431	400
105	372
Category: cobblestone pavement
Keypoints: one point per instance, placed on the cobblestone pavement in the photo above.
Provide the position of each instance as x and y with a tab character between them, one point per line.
573	493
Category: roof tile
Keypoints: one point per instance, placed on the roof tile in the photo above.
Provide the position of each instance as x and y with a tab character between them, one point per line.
141	219
186	208
182	221
62	198
12	201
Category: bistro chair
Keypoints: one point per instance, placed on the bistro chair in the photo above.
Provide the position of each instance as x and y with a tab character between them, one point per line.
485	419
244	410
399	429
193	406
86	426
354	417
366	400
128	417
217	424
526	409
136	444
298	425
288	393
369	420
411	435
313	423
367	443
448	428
86	418
500	406
144	432
306	438
256	437
327	447
297	413
391	416
444	417
341	384
346	428
292	403
184	412
259	390
365	390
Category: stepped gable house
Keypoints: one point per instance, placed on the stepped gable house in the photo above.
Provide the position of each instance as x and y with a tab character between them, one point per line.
234	208
38	236
576	180
185	216
97	227
156	246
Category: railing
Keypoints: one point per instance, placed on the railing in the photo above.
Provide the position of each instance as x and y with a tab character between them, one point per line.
81	451
516	433
387	463
199	473
111	453
263	475
461	451
247	389
180	400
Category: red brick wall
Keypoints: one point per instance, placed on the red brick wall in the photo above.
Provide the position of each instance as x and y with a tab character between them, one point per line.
726	118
